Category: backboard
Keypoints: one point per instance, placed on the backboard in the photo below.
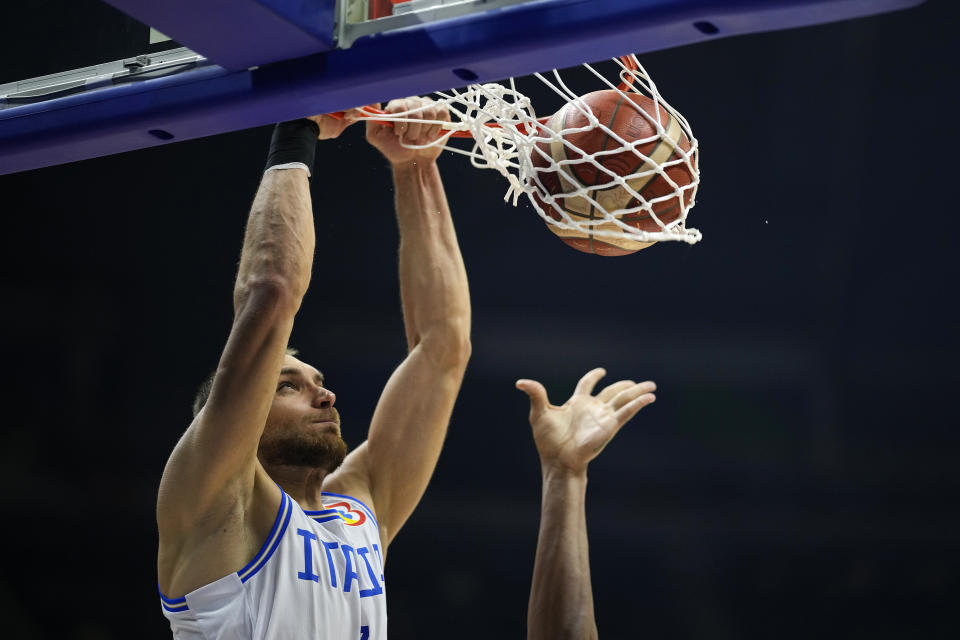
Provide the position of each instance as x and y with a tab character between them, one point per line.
246	63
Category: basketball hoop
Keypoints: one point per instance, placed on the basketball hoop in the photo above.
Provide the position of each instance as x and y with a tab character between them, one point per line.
609	185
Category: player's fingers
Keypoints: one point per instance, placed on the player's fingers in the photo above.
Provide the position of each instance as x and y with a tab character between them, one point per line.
613	389
375	129
439	114
361	113
443	112
627	411
536	392
394	107
415	130
625	396
589	381
432	131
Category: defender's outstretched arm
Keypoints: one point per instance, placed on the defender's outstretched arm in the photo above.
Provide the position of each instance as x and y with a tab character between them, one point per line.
568	437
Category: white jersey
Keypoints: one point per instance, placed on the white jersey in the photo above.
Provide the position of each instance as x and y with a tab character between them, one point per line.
319	575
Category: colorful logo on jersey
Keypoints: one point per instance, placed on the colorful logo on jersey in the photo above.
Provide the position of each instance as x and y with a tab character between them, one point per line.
350	517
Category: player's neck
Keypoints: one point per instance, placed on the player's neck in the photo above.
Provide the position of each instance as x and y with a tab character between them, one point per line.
303	484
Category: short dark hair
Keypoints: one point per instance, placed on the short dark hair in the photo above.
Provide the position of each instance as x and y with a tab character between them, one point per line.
206	386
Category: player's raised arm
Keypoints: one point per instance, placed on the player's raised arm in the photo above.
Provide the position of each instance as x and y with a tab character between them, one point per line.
410	421
568	437
208	482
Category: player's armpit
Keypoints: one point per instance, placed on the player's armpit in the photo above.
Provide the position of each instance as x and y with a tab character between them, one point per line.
405	438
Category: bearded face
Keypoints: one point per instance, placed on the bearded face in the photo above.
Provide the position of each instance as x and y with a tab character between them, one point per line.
304	443
303	427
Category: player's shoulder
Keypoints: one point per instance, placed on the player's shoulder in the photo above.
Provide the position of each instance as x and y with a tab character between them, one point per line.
352	479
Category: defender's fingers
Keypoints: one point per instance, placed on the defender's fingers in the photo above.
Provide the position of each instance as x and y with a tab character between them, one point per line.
626	396
613	389
536	392
589	381
630	409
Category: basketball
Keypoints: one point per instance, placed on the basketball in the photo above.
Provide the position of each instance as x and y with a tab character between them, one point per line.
633	120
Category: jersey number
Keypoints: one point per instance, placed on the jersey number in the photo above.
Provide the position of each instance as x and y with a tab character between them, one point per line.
364	633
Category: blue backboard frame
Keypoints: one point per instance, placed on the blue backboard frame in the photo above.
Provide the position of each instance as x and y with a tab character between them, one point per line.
486	46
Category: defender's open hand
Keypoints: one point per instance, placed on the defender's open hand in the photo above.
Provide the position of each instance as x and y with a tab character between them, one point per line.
419	132
572	434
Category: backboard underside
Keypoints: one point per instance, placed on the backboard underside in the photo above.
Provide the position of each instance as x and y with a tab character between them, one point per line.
315	56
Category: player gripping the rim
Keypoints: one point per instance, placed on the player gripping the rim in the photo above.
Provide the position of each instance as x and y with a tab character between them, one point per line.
268	528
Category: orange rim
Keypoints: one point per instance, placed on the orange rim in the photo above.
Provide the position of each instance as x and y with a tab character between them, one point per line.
625	85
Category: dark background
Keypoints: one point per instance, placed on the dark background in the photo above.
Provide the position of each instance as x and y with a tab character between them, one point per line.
796	478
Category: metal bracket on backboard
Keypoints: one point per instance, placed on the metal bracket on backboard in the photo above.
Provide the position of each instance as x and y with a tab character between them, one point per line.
352	22
154	65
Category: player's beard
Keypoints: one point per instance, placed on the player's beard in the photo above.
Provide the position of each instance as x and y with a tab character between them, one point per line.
302	447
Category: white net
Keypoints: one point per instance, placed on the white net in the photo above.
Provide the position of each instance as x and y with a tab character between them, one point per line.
611	172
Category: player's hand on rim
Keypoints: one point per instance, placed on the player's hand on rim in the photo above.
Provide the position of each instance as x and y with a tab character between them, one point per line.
421	127
331	127
569	436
